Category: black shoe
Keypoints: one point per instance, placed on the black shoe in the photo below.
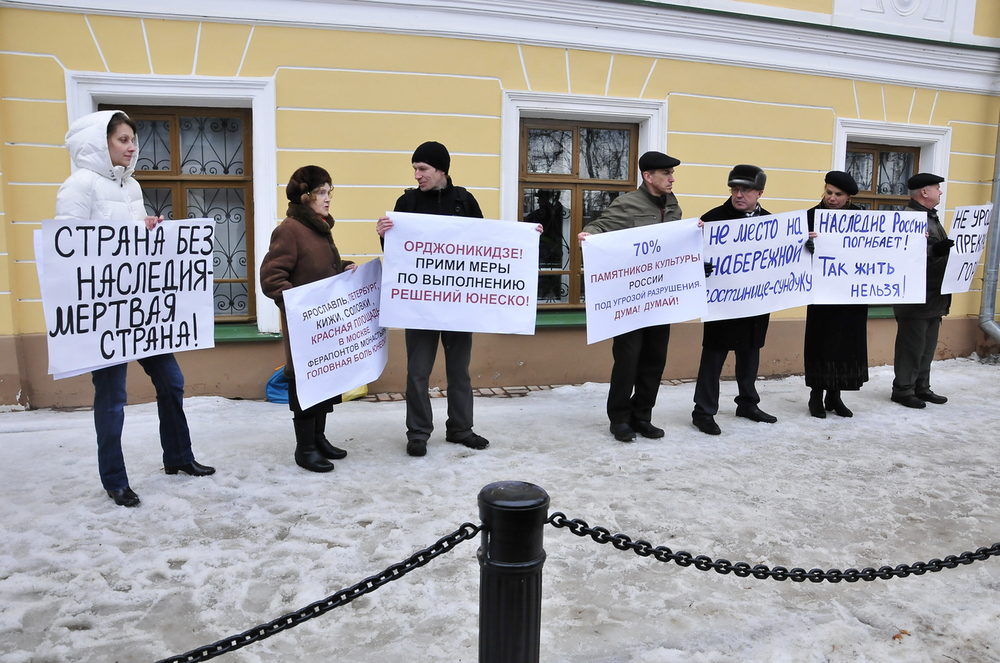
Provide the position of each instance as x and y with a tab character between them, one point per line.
416	447
754	413
706	424
323	445
194	468
306	455
124	497
931	397
327	450
816	408
909	400
473	441
647	429
835	404
623	432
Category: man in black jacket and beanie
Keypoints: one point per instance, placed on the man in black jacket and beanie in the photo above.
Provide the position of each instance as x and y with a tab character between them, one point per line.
435	194
743	335
917	325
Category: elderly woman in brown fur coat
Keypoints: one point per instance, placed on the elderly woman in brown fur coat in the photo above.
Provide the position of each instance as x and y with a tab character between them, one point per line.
302	251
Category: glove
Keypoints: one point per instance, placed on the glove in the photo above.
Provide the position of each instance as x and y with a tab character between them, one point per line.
810	245
708	269
942	248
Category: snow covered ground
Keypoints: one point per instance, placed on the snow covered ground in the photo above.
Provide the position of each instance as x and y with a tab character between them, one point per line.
84	580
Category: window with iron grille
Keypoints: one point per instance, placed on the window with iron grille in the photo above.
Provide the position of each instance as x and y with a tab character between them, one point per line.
569	172
881	172
197	163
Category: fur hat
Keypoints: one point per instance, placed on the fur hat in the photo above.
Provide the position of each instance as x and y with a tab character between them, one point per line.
304	180
433	154
747	175
653	160
920	180
842	181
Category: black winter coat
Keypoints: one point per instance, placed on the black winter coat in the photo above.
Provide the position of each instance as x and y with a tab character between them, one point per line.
738	333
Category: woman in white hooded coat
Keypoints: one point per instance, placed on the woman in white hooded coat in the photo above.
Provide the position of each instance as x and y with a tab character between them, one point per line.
103	148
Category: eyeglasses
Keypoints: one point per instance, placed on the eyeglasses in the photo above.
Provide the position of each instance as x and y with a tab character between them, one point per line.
742	190
322	192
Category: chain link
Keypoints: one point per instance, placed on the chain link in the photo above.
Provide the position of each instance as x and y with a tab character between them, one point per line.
762	571
343	597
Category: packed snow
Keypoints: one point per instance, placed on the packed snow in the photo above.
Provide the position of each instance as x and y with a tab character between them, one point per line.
82	579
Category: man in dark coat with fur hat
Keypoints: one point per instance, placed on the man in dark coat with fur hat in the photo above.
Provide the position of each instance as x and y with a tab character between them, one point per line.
917	325
435	194
743	335
639	355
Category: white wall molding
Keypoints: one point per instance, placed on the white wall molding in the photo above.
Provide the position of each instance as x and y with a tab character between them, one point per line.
934	143
650	115
602	25
85	90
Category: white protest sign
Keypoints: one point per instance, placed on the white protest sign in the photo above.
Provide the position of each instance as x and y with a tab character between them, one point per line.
867	257
455	273
760	265
968	230
115	291
334	334
645	276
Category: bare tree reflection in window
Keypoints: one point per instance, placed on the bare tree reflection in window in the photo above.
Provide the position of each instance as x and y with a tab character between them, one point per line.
894	169
604	154
227	208
550	151
211	145
860	166
153	141
595	202
158	202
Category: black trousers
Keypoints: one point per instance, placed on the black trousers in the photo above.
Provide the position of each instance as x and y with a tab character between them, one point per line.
421	351
640	356
706	391
916	341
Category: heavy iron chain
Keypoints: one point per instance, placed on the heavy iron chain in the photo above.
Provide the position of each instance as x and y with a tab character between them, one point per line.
762	571
343	597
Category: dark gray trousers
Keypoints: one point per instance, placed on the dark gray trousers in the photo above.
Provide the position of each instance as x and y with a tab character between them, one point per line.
916	341
421	350
706	391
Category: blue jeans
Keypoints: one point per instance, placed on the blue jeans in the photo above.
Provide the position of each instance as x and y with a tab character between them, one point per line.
109	416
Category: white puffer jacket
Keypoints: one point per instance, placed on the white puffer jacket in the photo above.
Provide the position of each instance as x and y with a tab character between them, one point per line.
98	190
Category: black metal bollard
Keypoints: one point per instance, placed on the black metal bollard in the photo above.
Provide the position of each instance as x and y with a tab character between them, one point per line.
511	556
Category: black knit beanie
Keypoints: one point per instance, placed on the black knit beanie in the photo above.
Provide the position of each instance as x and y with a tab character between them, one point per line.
304	180
433	154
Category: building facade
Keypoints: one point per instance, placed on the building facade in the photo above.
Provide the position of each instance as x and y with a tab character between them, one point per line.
545	107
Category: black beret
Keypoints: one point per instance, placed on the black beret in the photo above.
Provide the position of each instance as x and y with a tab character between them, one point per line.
747	175
920	180
653	160
842	181
433	154
304	180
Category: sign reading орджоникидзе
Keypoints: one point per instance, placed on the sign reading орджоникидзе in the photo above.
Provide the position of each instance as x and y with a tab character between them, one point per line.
867	257
115	291
759	265
455	273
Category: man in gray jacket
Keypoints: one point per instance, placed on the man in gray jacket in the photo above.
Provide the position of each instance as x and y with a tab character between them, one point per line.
639	355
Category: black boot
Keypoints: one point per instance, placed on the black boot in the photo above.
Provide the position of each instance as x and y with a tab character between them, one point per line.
306	455
834	404
322	444
816	403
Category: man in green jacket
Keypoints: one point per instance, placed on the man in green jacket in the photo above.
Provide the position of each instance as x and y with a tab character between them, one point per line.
639	355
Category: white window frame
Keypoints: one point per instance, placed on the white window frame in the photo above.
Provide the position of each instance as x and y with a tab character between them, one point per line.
934	144
85	90
650	115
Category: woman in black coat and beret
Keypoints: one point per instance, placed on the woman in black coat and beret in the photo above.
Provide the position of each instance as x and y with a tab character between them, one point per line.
836	346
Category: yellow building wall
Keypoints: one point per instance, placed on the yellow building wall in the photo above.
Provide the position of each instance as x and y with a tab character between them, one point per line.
359	103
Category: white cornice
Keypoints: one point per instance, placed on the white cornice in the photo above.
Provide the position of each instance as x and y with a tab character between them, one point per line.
620	27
